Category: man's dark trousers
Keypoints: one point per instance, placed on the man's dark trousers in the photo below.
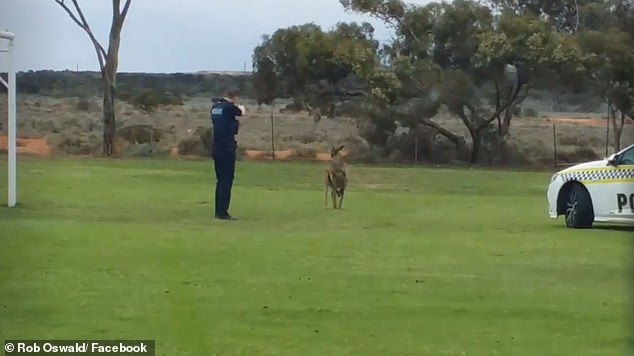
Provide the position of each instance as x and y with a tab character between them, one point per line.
225	166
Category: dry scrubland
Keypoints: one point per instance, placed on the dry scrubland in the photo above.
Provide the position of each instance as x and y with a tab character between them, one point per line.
72	126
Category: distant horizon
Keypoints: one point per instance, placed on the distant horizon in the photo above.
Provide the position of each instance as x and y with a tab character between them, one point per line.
202	72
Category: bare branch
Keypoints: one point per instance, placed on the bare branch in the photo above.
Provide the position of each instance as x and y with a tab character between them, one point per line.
81	22
497	104
443	131
86	28
577	15
70	13
116	8
126	7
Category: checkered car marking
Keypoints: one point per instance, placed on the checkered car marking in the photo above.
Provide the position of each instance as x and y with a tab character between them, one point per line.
594	175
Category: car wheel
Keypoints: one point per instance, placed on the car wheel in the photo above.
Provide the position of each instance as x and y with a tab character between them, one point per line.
579	212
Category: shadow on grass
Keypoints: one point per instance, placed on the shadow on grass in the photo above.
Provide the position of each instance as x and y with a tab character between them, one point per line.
614	228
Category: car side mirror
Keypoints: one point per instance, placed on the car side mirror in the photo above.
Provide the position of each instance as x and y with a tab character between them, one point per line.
613	159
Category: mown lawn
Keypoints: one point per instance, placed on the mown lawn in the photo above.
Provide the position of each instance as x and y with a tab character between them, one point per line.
422	262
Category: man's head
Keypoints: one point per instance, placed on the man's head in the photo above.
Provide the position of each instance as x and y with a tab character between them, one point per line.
232	94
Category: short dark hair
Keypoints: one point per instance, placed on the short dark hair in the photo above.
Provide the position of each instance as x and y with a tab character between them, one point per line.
233	91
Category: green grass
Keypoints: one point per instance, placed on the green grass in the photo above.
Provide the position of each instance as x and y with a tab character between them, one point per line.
421	262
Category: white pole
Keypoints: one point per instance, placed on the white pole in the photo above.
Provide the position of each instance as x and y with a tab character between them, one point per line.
12	130
12	196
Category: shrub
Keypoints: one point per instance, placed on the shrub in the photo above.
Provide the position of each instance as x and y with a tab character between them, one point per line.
370	156
198	144
79	145
140	134
84	104
148	100
414	144
508	154
530	112
304	151
580	154
143	150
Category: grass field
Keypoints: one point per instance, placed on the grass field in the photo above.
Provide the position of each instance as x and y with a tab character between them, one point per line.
422	262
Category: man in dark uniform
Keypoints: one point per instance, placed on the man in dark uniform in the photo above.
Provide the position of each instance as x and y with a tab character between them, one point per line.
225	126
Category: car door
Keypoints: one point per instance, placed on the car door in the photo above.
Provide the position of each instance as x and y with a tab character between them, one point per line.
615	196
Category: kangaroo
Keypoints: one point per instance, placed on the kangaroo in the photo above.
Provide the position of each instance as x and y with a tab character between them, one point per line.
336	178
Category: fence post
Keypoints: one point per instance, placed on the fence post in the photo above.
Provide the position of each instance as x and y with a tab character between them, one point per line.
416	150
607	129
555	144
272	136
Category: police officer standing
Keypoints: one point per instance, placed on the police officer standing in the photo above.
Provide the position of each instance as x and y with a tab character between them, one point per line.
225	126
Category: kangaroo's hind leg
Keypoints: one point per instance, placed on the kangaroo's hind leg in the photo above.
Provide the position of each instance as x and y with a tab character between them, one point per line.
341	199
326	185
333	194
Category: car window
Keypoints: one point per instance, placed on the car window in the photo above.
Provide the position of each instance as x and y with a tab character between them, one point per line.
627	157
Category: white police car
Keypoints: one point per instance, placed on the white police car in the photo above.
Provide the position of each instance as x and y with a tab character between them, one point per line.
600	191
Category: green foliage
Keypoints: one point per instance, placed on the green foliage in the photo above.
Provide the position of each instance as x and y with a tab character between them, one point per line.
198	144
80	84
309	64
609	57
148	100
264	79
143	150
84	104
78	144
140	134
530	112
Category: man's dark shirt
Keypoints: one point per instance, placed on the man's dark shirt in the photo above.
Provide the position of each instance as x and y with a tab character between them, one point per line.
225	126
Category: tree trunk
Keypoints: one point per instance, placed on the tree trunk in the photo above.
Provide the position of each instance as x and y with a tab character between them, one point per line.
617	129
476	142
109	76
109	123
108	62
458	141
506	123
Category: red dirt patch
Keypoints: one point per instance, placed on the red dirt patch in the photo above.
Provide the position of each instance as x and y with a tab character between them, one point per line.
593	122
255	155
29	146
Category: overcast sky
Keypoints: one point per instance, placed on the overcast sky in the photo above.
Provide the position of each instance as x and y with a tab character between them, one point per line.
163	35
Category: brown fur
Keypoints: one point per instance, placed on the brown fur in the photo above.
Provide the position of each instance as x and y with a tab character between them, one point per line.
336	178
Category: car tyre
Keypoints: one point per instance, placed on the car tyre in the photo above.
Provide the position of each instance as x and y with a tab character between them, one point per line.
579	211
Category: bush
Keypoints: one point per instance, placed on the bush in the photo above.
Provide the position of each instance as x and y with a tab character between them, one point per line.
568	140
143	150
80	145
140	134
148	100
580	154
192	146
84	104
414	144
591	104
508	155
371	156
198	144
538	154
304	151
444	151
530	112
307	138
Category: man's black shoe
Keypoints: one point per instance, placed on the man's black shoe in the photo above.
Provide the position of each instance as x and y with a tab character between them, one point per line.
226	217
